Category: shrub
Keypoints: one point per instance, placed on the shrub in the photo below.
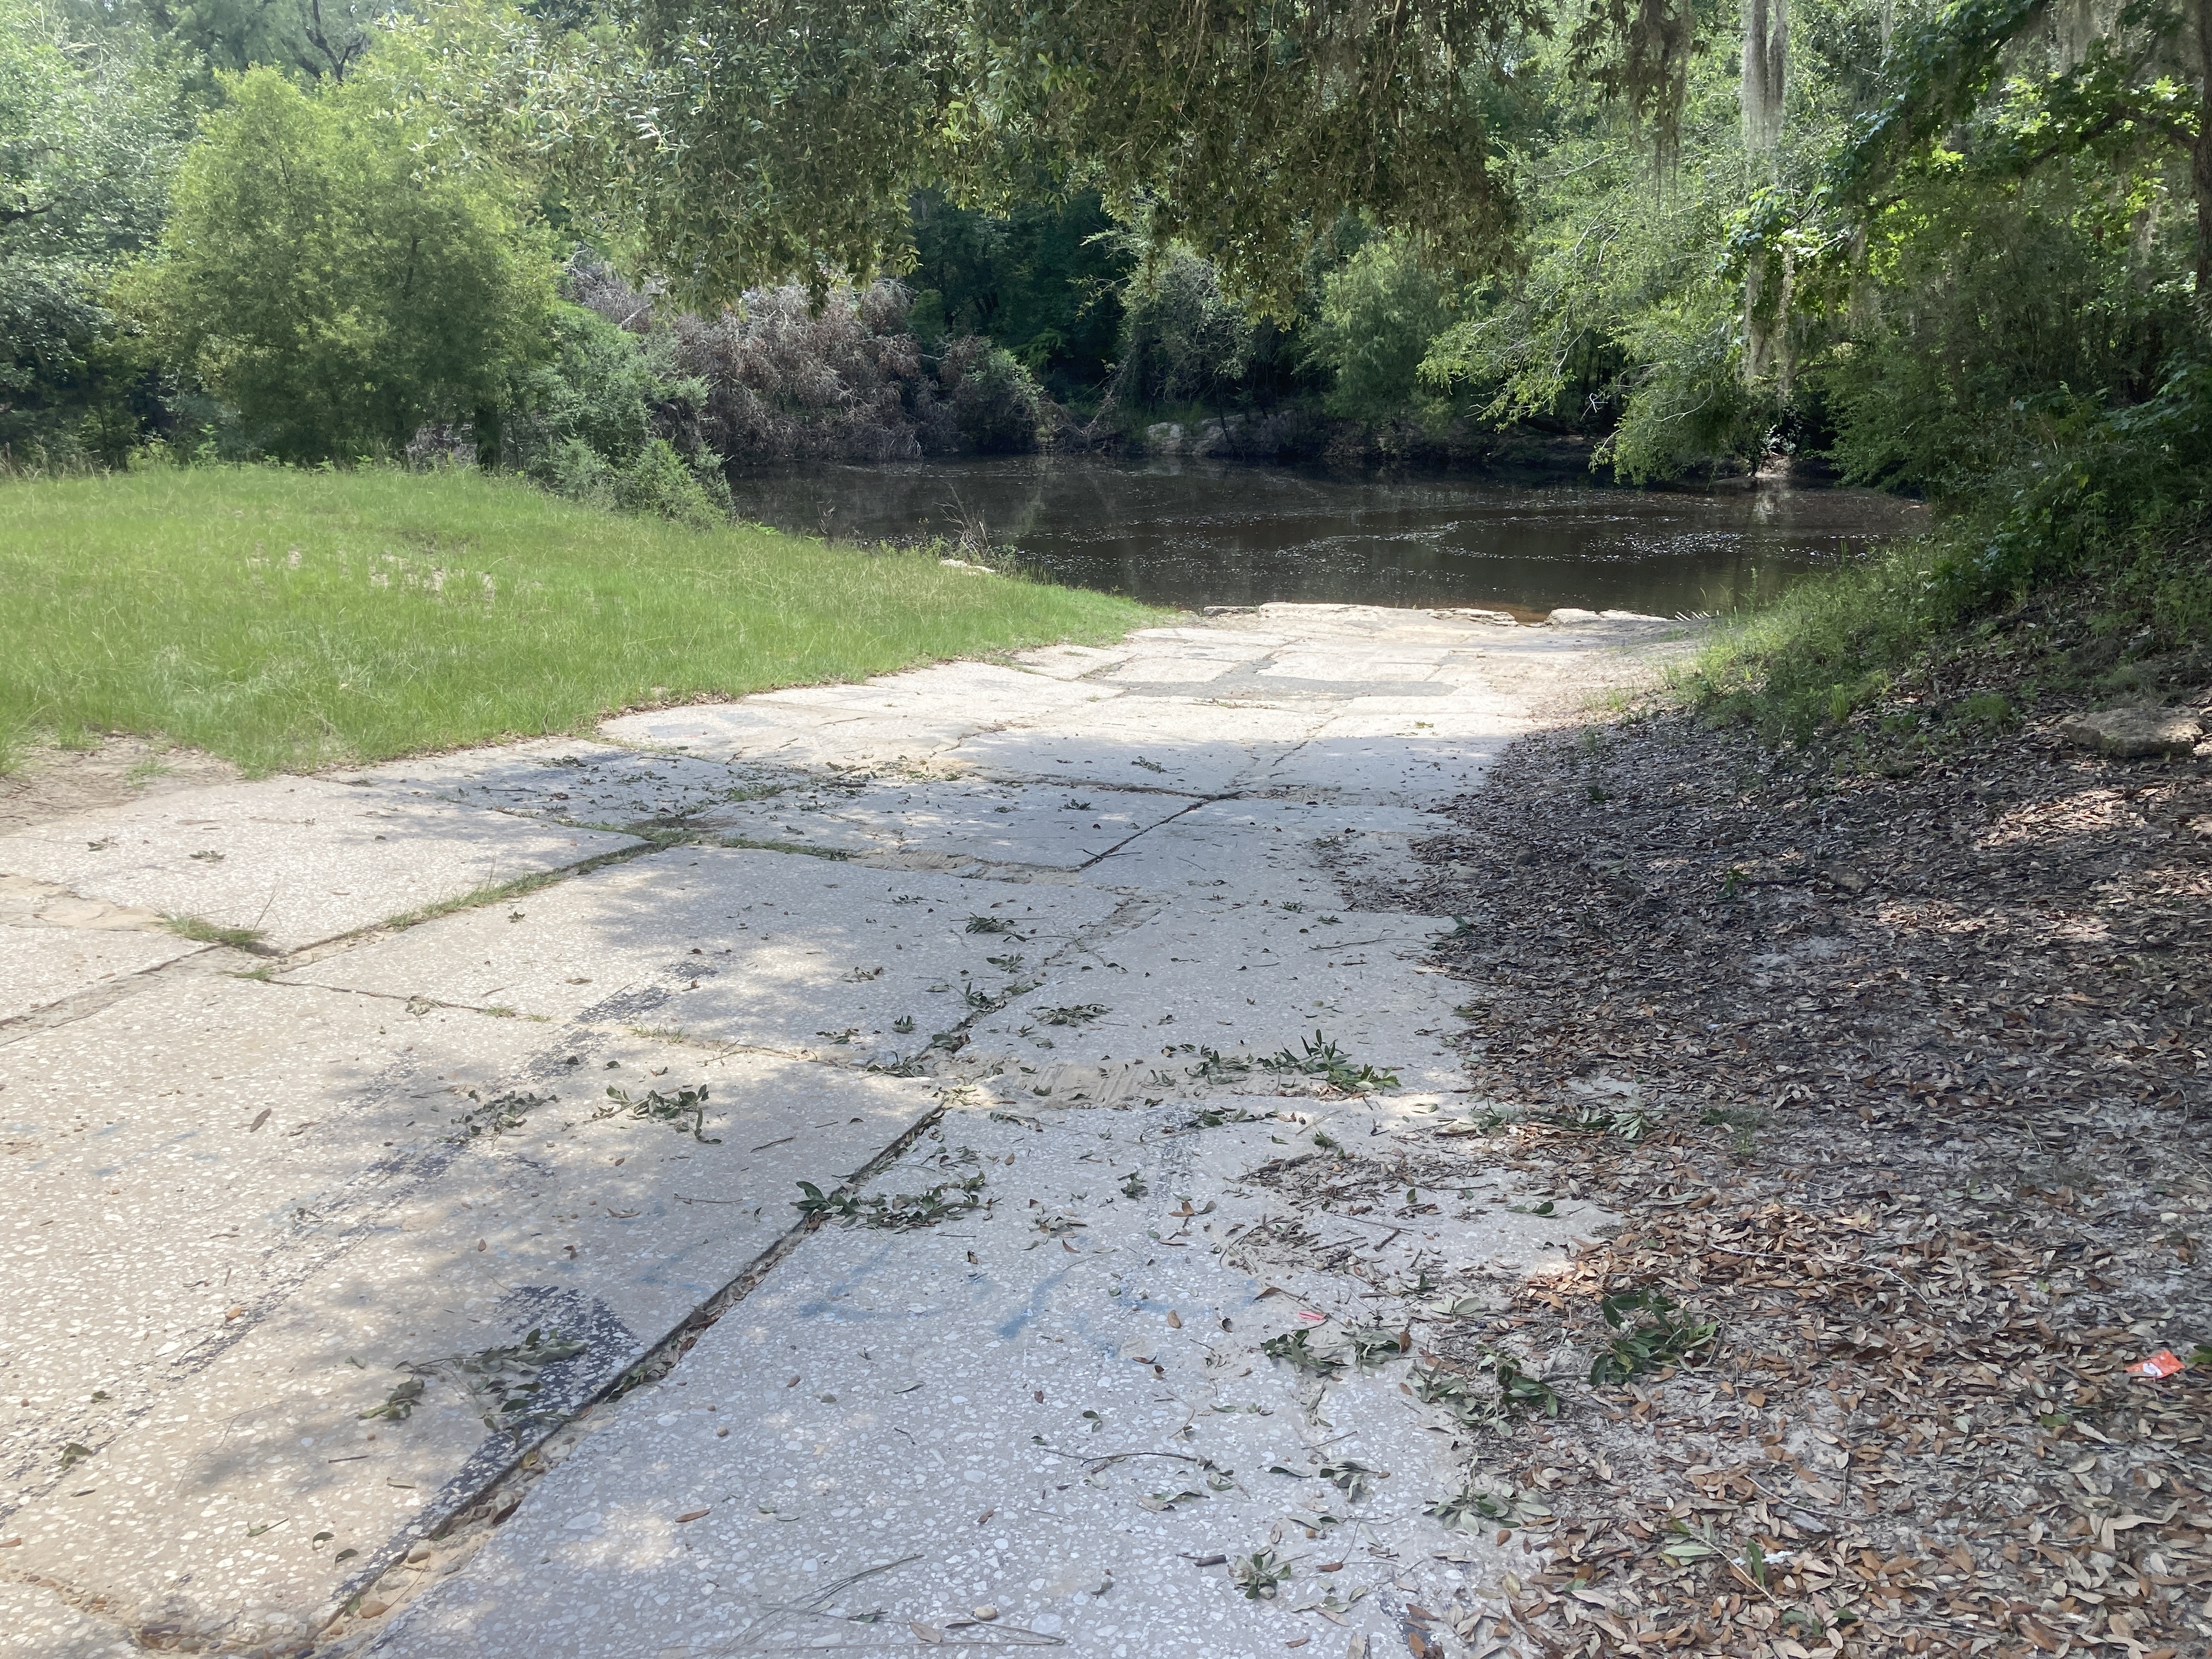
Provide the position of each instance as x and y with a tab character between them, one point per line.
1182	339
341	271
996	406
781	379
1379	310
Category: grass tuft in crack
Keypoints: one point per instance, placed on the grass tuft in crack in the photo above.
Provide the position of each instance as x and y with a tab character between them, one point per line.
208	932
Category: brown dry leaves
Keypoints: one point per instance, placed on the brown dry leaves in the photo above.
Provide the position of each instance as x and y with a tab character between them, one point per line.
1926	1055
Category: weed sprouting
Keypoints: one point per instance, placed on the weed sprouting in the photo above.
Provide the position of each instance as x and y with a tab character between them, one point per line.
207	932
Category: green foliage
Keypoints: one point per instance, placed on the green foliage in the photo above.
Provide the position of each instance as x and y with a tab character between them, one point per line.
1043	280
1183	340
1296	1349
595	386
1617	324
313	39
1649	1331
341	268
89	134
2122	497
1992	324
1378	312
1323	1059
769	140
685	1109
996	405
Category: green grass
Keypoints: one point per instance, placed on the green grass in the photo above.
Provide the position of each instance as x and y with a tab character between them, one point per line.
208	932
1826	647
286	619
1921	618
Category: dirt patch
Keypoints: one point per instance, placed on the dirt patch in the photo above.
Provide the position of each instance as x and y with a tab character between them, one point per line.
1902	1078
49	782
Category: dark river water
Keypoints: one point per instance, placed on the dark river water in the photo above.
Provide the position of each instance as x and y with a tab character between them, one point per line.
1199	532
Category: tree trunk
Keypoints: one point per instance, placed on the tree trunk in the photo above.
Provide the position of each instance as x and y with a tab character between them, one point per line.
486	429
2200	160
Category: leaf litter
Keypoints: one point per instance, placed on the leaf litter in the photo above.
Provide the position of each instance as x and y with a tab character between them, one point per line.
1916	1055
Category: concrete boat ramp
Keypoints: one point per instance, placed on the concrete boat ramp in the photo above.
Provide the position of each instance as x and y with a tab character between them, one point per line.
953	1164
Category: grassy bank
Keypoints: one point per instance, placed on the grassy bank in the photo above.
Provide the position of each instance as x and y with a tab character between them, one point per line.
2083	571
286	619
1899	655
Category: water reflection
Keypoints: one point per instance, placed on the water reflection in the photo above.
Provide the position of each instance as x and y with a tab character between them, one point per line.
1197	532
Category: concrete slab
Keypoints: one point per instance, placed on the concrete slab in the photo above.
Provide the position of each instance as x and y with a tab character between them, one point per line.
295	859
953	690
184	1154
241	1208
54	945
725	730
294	1279
572	782
951	823
1172	670
1244	976
1047	1424
1252	847
37	1623
1370	757
1190	746
1352	667
760	949
1070	662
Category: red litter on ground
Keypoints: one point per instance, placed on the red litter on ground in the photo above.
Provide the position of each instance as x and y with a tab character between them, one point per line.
1313	1319
2164	1362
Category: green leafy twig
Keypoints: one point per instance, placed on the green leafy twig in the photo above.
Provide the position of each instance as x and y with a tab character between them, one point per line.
657	1107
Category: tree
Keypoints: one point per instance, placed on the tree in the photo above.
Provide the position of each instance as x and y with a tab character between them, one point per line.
1986	84
1378	312
89	138
317	39
341	267
778	138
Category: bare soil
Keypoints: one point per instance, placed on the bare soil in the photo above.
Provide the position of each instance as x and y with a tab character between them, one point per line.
49	782
1901	1077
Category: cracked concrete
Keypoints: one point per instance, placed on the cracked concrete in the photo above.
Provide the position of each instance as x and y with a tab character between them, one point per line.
1057	961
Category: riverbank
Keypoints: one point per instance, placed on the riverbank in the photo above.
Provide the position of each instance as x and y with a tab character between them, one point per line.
280	618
